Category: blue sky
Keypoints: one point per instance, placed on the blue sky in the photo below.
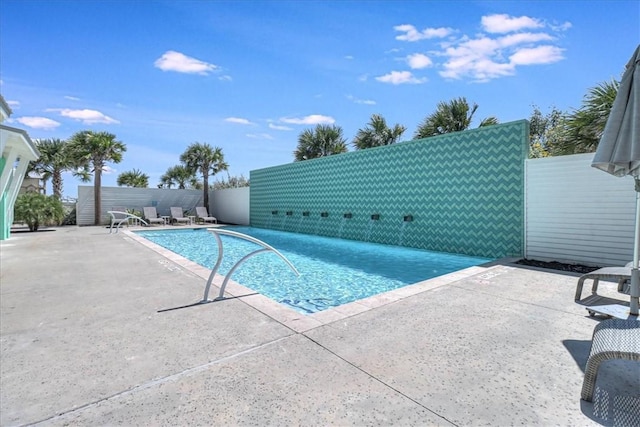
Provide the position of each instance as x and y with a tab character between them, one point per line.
250	76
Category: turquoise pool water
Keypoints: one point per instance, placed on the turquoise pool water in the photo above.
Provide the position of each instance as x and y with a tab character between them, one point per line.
332	271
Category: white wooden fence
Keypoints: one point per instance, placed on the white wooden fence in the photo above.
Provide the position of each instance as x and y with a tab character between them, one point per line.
229	206
576	213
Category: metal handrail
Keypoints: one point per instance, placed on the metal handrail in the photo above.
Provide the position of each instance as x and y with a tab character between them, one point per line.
126	218
265	248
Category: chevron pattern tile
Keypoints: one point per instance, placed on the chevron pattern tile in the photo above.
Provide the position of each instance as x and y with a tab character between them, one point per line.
464	191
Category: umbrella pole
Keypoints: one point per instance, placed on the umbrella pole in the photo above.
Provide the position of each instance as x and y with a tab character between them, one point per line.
635	273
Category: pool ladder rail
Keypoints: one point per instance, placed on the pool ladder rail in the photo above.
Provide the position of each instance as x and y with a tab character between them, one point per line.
265	248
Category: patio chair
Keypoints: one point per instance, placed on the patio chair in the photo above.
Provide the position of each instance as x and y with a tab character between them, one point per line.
612	339
151	215
622	275
119	216
177	216
203	215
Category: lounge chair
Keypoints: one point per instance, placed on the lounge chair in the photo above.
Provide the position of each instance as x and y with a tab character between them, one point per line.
151	215
612	339
178	216
622	275
119	216
203	215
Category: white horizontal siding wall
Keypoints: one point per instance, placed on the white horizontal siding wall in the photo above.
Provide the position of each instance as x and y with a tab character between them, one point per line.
228	206
134	198
576	213
231	205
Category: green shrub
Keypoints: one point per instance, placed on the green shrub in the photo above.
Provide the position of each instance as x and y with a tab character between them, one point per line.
69	215
35	209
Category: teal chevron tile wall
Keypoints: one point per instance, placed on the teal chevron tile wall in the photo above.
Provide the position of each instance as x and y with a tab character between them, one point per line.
464	192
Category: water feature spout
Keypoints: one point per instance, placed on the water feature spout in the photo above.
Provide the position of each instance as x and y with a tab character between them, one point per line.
274	212
305	213
348	215
324	214
375	217
408	218
289	213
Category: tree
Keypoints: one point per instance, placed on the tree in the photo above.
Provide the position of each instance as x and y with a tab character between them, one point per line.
231	182
53	161
179	176
93	150
133	178
205	159
453	116
545	132
35	209
584	127
324	140
377	133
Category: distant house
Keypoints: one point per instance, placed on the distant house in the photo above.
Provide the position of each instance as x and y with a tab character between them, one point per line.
17	151
32	183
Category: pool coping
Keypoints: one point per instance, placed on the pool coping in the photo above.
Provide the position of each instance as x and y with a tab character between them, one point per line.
287	316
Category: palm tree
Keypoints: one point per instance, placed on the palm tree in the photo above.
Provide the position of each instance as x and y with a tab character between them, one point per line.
179	176
36	209
324	140
377	133
54	159
545	131
93	150
133	178
205	159
584	127
453	116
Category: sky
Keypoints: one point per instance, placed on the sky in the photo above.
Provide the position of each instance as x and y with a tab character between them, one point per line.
250	76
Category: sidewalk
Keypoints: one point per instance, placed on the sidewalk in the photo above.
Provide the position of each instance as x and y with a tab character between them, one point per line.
84	341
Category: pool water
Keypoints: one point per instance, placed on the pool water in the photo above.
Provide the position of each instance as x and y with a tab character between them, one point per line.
332	271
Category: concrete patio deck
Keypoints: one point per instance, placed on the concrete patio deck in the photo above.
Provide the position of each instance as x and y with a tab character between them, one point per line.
84	340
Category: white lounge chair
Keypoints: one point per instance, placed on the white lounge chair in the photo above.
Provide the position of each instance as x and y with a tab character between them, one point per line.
177	215
119	216
622	275
151	215
203	215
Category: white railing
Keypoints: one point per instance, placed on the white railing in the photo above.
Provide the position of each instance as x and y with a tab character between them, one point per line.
126	216
265	248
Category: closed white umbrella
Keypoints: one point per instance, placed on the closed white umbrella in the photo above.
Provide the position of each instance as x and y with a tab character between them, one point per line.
618	152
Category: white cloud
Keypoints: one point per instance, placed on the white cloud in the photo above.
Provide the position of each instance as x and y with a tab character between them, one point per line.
86	116
225	78
522	38
38	122
313	119
361	101
279	127
349	57
505	44
179	62
400	77
259	136
13	104
71	98
537	55
411	34
108	170
418	61
503	23
238	120
561	27
485	58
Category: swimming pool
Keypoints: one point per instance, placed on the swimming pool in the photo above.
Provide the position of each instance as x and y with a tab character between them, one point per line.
332	271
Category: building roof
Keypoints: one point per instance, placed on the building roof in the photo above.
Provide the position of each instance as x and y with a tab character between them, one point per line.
5	107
